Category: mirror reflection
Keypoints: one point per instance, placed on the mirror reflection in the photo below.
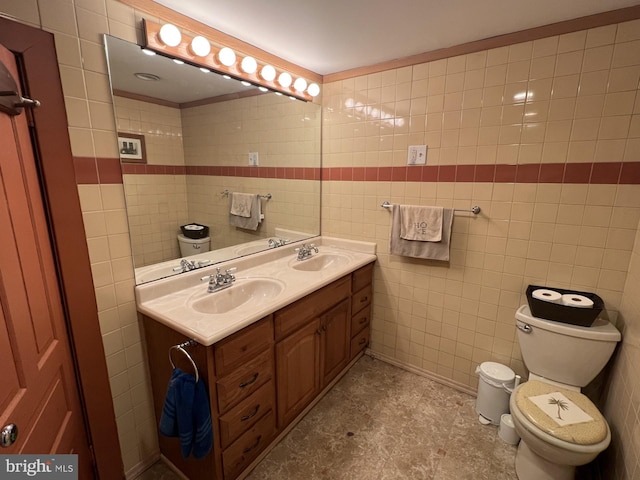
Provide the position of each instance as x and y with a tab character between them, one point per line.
212	169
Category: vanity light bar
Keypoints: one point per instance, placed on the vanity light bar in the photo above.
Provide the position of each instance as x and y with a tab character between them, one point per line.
198	51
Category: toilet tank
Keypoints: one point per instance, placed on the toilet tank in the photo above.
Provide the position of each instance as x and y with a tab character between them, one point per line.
565	353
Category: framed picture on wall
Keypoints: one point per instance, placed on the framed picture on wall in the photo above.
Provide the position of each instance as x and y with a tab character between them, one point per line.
131	147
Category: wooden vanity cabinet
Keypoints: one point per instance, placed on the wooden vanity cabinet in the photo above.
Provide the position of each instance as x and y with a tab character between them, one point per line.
260	378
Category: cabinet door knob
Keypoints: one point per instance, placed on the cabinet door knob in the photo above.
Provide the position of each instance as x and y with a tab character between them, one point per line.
363	320
362	341
249	382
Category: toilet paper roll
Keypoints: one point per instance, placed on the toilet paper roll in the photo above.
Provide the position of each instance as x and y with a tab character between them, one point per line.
547	295
573	300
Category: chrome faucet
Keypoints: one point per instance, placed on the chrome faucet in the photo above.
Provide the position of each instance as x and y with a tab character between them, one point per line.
277	243
187	266
220	281
304	251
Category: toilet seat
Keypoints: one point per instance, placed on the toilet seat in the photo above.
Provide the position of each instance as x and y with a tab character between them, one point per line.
573	436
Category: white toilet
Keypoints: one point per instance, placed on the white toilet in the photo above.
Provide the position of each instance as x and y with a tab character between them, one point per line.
193	246
561	358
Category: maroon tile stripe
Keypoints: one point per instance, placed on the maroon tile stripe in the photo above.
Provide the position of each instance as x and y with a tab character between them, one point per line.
109	170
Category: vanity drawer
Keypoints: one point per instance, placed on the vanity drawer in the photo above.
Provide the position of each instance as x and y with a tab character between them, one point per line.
361	299
244	415
290	318
244	450
360	320
245	380
359	342
241	347
362	277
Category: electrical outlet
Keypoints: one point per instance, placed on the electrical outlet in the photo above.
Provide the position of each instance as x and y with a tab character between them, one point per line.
253	159
417	155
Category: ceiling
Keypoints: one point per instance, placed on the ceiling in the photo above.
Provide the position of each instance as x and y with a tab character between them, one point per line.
330	36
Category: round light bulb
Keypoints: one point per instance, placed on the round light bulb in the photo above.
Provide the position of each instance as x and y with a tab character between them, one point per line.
300	84
200	46
170	35
314	90
284	80
268	73
249	65
227	56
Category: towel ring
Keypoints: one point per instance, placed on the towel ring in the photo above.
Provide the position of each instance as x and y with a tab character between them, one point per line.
180	348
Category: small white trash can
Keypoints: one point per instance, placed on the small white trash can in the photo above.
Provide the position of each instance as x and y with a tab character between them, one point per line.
495	384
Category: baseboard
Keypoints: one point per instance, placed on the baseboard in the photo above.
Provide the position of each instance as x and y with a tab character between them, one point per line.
139	468
423	373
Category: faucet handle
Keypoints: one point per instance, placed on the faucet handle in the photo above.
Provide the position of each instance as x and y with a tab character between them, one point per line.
208	278
231	270
202	263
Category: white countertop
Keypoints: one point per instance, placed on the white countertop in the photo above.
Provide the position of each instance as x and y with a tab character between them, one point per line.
168	300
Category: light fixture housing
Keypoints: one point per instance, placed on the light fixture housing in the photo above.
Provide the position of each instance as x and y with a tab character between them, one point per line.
249	65
200	46
227	56
170	35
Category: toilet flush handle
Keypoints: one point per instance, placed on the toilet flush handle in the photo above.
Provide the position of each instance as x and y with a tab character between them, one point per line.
526	328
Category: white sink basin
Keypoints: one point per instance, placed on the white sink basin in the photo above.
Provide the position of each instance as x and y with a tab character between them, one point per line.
248	292
320	261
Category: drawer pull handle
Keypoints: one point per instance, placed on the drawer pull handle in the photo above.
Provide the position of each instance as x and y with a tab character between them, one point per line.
363	320
250	415
254	446
362	341
364	299
249	382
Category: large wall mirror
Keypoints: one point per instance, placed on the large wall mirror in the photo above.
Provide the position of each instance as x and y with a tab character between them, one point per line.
189	140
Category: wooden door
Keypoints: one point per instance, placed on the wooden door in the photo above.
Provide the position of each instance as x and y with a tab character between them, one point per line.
335	325
298	371
40	392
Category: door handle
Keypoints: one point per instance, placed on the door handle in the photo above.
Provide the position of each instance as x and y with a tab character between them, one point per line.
8	435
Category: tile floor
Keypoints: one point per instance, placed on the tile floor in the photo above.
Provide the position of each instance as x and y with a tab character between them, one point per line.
381	422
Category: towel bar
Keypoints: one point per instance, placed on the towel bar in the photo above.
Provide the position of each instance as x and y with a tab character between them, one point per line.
225	193
475	209
181	348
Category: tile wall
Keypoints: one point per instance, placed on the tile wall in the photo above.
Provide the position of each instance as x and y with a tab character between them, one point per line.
544	136
622	403
156	204
469	110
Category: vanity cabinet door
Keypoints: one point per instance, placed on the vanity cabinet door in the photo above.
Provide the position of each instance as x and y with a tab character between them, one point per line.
336	328
297	371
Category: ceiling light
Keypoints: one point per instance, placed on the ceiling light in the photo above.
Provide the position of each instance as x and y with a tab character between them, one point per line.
146	51
178	61
200	46
263	89
227	56
249	65
300	84
205	70
285	80
147	76
245	83
268	73
226	77
170	35
314	90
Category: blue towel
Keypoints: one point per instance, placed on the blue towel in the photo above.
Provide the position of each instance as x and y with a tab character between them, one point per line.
186	414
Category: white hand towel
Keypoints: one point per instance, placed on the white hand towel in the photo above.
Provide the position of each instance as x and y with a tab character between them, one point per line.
421	223
251	221
241	204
